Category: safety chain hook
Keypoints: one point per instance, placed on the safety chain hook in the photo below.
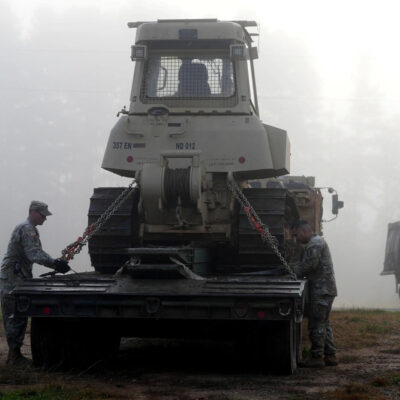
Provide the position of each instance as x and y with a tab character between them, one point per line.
75	248
259	226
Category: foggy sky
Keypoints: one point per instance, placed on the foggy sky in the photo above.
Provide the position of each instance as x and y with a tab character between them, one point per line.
327	74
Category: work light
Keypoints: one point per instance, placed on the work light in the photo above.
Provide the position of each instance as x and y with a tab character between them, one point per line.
238	52
138	53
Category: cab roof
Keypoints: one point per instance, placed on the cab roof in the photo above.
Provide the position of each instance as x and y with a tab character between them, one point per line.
192	29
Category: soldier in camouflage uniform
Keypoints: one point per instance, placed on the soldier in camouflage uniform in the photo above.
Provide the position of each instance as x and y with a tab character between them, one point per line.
317	267
24	249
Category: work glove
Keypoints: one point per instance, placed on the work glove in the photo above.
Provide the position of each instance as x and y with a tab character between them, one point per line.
61	266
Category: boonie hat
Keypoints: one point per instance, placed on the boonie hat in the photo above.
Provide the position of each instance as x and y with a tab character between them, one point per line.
40	207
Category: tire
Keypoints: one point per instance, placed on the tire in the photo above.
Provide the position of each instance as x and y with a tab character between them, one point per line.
89	342
47	343
299	335
71	343
270	347
280	347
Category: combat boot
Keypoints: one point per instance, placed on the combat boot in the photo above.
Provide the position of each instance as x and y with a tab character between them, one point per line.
15	358
312	362
331	360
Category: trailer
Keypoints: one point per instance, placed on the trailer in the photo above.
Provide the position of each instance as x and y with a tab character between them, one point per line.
80	318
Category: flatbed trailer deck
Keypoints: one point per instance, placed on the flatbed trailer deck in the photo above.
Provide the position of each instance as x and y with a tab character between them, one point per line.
94	295
94	309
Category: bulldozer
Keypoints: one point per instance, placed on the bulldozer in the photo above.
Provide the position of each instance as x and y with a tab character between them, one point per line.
192	128
199	244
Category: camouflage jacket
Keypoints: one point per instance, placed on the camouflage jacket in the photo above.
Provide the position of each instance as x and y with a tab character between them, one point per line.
316	266
24	249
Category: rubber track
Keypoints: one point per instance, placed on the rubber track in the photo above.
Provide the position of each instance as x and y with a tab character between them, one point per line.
276	209
117	233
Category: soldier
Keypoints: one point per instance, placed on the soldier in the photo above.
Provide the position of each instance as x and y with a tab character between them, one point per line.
24	249
316	266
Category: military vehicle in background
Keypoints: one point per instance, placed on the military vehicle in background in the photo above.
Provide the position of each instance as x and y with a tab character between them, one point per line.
309	202
308	197
190	248
391	264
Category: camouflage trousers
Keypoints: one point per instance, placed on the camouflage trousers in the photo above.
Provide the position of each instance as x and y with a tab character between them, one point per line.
14	327
320	330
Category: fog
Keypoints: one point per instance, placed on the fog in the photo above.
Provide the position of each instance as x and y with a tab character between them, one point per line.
327	73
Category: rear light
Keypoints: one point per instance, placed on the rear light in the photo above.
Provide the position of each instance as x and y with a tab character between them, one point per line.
261	314
46	310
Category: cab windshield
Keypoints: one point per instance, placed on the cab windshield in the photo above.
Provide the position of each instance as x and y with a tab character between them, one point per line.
187	78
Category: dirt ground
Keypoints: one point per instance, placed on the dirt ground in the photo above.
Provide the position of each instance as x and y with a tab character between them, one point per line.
369	354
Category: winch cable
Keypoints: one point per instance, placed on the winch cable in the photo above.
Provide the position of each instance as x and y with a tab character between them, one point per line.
177	184
259	226
75	247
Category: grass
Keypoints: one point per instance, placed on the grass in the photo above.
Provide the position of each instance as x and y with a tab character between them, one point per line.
355	392
356	329
392	379
353	329
373	328
18	376
53	392
368	391
363	328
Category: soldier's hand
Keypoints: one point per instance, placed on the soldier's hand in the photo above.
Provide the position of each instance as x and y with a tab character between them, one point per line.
61	266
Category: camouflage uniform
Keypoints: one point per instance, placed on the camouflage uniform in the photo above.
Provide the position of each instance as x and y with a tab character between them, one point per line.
316	265
23	250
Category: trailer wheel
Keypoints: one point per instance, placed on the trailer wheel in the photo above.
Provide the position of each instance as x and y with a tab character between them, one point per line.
299	335
271	347
71	343
280	347
47	343
89	342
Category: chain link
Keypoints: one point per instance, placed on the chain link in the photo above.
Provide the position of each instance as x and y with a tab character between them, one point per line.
75	248
254	220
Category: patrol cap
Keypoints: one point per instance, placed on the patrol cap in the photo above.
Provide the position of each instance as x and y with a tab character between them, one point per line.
40	207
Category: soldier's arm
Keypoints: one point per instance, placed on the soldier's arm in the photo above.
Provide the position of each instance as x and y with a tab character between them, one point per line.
310	262
33	251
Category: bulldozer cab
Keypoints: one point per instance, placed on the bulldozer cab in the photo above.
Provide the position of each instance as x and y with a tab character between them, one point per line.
194	94
193	65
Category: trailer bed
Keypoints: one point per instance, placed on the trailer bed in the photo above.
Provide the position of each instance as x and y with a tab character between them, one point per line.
222	297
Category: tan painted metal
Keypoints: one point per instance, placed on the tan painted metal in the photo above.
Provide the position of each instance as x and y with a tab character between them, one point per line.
216	134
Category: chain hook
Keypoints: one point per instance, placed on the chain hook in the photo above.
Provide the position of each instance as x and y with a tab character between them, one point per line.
75	248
